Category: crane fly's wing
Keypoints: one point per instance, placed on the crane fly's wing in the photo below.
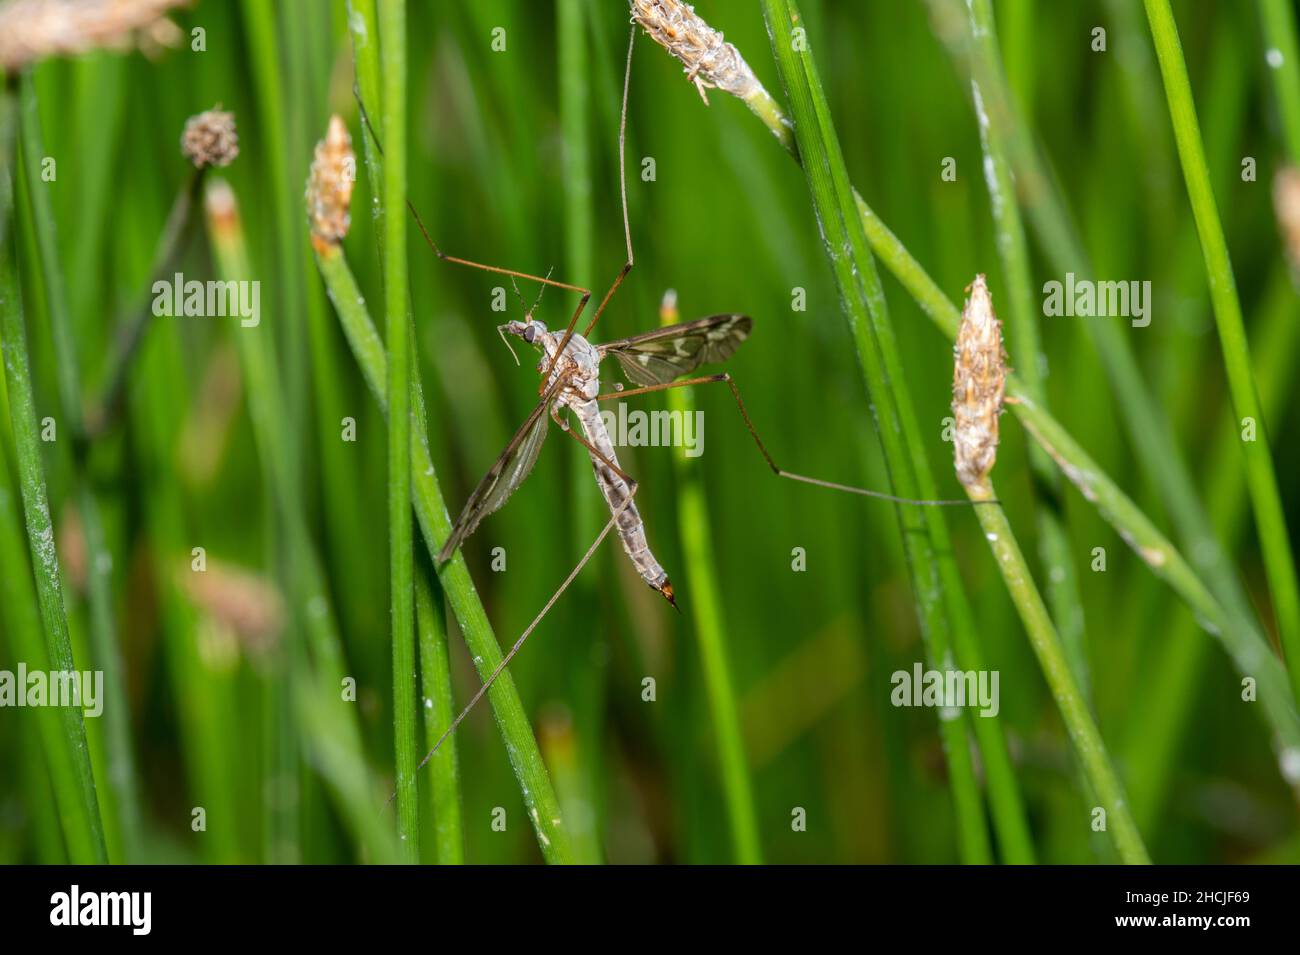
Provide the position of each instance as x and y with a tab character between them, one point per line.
658	357
505	475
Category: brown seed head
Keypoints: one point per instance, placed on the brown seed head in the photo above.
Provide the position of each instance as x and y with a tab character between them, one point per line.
1286	206
329	187
32	30
709	60
210	139
979	377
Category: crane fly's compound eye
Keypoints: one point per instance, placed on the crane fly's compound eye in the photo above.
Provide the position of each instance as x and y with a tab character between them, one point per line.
530	332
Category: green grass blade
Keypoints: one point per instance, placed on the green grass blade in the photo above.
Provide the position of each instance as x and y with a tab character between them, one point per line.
392	30
1088	744
705	609
313	687
586	690
120	768
74	778
1283	58
862	300
435	526
1261	480
1025	344
435	678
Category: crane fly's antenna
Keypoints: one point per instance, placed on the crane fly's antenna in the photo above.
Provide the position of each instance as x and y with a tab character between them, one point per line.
519	295
541	291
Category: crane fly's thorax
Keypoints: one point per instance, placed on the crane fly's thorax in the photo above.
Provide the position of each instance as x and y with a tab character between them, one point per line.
580	362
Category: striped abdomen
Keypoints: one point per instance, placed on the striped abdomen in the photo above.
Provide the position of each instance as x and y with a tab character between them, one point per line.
631	529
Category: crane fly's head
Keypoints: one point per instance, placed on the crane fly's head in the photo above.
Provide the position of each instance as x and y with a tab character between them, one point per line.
530	330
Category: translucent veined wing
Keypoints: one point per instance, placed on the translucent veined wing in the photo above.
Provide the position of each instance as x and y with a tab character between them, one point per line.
506	474
658	357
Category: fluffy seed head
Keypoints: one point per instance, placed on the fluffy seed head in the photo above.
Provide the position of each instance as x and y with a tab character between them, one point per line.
979	377
210	139
709	60
329	187
32	30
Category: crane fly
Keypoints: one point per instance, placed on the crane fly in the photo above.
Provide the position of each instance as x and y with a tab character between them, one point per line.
570	381
571	378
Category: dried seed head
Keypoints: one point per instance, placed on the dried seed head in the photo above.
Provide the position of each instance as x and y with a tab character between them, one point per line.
32	30
979	376
329	187
709	60
210	139
1286	206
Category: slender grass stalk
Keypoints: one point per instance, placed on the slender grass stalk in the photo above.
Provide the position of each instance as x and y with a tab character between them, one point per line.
430	508
435	526
1270	518
574	73
705	608
1151	438
21	617
1151	435
979	381
1006	804
1158	722
1088	744
1223	612
1026	347
132	326
73	778
1283	57
265	60
392	31
862	300
314	689
435	677
121	777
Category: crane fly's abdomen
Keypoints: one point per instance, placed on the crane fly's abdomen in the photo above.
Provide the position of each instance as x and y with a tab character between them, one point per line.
617	492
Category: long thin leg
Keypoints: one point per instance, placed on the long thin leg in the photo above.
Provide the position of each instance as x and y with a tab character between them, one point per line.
510	655
627	228
543	279
776	469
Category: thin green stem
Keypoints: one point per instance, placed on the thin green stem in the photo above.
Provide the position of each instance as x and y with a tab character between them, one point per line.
705	609
392	45
121	779
312	692
435	677
268	72
1024	338
1261	480
1088	744
1283	59
131	327
863	303
74	778
586	687
435	526
1221	612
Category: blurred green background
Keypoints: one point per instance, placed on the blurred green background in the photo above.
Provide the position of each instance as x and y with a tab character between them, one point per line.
513	161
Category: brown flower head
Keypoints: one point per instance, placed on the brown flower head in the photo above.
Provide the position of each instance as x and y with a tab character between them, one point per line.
979	378
329	187
32	30
709	60
210	139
